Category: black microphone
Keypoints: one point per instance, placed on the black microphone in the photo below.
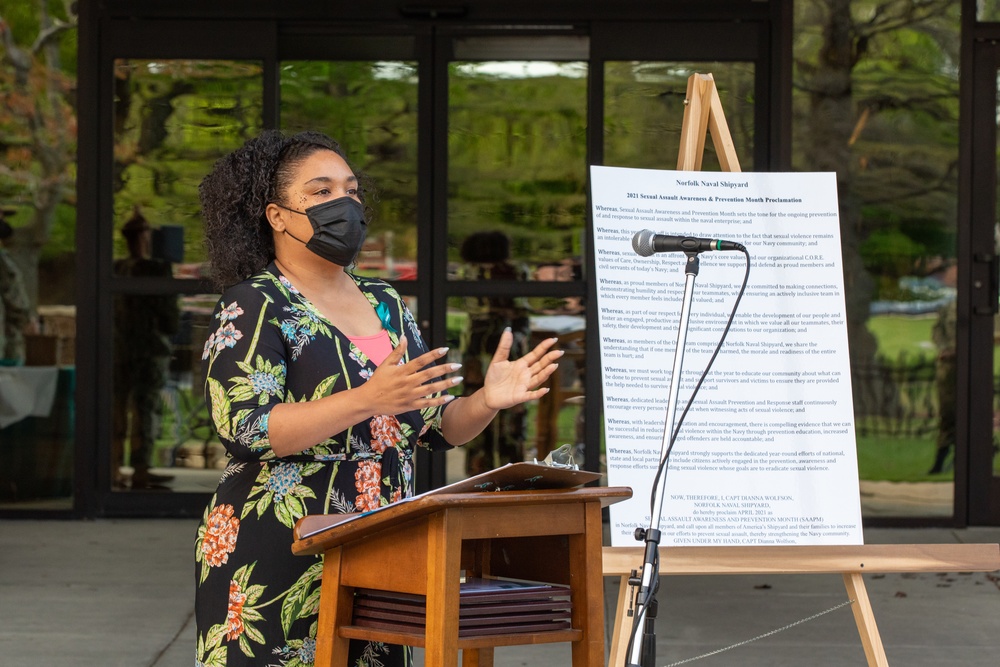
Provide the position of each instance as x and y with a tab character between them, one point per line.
647	243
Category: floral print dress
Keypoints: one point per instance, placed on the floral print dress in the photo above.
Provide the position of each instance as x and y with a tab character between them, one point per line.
256	602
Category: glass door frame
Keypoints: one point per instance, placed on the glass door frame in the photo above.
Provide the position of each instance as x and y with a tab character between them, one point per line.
326	42
686	42
977	489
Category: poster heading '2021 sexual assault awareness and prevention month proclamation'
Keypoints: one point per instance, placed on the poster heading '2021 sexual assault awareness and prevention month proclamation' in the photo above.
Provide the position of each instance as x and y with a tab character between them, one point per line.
767	454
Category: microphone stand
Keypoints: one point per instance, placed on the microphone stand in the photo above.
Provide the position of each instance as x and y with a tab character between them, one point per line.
643	652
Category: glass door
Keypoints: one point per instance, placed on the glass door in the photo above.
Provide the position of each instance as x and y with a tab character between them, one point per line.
526	113
515	213
172	119
369	92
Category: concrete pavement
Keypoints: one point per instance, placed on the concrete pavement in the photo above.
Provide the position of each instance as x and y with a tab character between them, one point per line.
121	593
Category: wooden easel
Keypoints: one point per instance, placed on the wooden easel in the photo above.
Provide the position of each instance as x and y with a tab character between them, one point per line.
848	561
703	111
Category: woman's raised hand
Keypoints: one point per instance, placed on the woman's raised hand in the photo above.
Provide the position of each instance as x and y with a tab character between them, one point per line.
396	388
509	383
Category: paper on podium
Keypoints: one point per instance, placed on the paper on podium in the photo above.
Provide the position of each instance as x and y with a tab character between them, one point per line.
521	477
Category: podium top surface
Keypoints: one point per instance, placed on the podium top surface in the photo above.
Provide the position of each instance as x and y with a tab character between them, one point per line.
316	533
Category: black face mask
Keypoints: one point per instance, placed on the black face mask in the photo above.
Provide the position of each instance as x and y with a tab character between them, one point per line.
339	229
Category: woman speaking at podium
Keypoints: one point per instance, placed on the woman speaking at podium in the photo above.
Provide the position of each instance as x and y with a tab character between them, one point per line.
320	387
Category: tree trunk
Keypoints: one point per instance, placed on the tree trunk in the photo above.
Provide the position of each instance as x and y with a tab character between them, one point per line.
831	120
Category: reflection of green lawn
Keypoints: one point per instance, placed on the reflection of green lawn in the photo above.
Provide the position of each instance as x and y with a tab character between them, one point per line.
910	334
896	334
897	459
900	459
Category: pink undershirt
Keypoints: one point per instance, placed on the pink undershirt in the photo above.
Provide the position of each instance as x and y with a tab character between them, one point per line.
376	347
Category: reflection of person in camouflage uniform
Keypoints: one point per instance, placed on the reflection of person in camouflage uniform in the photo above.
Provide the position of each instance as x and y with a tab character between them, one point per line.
15	311
143	325
943	335
486	255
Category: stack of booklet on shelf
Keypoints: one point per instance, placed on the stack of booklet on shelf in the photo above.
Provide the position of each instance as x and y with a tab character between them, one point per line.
487	606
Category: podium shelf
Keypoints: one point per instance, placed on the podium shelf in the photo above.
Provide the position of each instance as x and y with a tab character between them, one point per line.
412	638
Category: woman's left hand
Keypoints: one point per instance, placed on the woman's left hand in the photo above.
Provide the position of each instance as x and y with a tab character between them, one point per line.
509	383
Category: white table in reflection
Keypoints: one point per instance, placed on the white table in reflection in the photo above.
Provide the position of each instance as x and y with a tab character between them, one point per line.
26	391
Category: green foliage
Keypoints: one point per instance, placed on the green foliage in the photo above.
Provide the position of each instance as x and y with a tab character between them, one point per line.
891	253
371	109
935	239
37	123
898	247
25	20
644	110
63	237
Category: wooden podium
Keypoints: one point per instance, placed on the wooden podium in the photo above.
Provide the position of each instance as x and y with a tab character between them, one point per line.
421	546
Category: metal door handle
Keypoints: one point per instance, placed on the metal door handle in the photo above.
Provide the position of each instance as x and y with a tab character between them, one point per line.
994	293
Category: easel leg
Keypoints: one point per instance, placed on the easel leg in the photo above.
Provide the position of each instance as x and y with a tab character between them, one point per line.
619	634
693	125
865	620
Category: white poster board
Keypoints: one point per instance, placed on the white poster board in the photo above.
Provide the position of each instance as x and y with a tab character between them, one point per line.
767	454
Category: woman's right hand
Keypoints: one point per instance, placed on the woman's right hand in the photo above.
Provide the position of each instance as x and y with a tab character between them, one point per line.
396	388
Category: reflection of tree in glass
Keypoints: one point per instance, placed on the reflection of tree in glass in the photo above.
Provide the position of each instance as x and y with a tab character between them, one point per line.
172	120
644	111
877	102
517	159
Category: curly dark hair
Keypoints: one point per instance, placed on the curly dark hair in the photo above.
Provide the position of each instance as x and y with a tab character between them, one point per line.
235	194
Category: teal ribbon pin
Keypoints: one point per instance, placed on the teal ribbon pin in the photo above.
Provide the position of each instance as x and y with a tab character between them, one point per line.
383	314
